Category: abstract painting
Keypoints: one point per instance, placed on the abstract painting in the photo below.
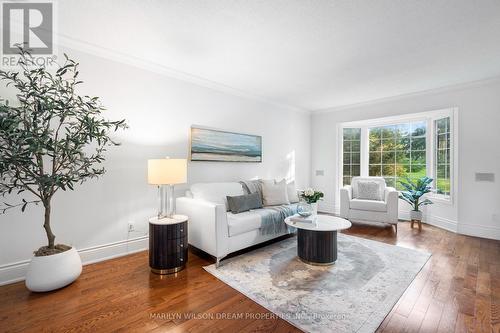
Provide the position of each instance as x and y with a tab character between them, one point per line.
221	146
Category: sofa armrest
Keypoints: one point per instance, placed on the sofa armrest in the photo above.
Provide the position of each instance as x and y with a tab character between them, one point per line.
392	199
207	226
345	198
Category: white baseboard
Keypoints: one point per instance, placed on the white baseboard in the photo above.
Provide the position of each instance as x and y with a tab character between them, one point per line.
15	272
483	231
443	223
436	221
95	254
475	230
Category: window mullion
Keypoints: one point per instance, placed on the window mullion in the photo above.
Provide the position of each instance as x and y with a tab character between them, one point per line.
431	150
365	144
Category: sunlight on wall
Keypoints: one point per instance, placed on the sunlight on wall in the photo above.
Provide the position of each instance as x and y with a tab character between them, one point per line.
290	174
153	134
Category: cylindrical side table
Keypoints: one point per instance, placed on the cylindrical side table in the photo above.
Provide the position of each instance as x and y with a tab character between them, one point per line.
168	244
317	240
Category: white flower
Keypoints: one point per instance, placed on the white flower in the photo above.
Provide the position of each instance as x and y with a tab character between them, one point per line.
309	192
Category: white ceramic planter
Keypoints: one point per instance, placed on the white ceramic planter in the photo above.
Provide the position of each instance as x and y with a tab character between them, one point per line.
48	273
416	215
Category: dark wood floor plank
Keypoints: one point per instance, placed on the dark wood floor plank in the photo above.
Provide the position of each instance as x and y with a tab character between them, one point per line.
430	323
396	324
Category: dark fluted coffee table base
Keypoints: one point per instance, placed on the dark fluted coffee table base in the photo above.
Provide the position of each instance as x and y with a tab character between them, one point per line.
317	247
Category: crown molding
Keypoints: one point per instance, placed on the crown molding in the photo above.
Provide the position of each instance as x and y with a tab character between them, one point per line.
449	88
127	59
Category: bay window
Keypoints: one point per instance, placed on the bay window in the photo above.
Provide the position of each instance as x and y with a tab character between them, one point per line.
394	148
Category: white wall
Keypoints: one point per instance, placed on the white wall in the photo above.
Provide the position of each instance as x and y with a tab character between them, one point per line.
477	208
160	111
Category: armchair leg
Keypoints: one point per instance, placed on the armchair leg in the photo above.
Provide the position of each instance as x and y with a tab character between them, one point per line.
396	228
218	262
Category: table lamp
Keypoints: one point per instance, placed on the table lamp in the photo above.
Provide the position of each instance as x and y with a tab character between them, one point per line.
165	173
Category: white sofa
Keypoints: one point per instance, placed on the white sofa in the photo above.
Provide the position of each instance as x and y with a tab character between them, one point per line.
212	228
359	210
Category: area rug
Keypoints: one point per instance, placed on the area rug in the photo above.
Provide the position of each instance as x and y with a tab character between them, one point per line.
353	295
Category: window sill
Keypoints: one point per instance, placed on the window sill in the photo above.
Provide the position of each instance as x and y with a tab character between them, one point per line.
441	199
438	198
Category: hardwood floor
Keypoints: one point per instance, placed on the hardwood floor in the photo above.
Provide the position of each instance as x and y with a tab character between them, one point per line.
458	290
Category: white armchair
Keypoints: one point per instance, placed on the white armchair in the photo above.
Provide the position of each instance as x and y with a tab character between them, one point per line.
355	208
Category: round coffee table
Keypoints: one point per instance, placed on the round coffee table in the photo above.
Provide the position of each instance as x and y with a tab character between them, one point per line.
317	241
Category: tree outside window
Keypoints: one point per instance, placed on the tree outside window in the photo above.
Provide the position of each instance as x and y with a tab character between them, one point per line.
398	151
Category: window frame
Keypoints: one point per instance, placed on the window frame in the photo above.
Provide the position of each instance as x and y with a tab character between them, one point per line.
431	167
351	152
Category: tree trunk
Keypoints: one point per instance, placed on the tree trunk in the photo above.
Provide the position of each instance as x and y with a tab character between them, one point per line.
46	225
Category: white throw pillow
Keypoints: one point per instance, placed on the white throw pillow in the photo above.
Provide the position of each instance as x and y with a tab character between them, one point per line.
275	194
293	196
267	181
368	190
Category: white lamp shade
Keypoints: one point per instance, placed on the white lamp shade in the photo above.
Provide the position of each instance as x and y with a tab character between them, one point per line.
167	171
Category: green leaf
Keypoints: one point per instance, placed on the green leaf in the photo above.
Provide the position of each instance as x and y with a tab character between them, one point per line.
29	133
425	203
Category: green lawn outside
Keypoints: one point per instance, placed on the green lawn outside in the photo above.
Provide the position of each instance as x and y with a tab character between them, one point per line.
442	184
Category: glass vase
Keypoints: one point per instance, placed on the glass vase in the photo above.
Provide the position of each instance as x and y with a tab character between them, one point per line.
304	209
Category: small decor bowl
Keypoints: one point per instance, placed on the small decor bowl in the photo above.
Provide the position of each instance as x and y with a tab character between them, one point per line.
304	209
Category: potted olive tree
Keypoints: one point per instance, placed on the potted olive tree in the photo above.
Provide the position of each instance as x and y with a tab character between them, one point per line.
413	194
51	140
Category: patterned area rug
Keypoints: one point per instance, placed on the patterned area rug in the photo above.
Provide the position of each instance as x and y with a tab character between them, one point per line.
353	295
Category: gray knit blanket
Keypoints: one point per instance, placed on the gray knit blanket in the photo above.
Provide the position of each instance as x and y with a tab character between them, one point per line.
273	218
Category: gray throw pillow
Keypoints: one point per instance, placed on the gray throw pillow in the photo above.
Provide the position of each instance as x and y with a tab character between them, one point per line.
369	191
243	203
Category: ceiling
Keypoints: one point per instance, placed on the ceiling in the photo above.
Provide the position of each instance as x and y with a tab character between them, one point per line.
307	54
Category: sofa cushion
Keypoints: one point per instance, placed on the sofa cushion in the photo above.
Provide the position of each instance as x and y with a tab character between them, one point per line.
368	190
251	220
243	203
378	180
243	222
370	205
267	181
275	194
216	192
252	186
